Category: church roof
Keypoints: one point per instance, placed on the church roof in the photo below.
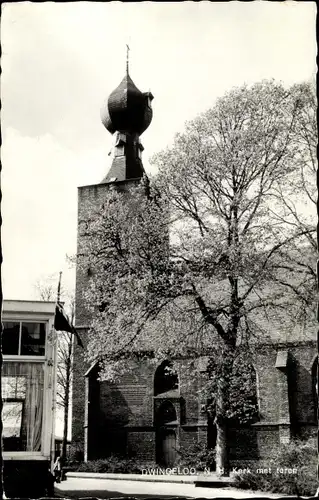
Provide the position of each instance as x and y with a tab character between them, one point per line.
124	168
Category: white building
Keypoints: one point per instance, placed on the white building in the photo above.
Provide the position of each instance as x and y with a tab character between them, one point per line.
28	392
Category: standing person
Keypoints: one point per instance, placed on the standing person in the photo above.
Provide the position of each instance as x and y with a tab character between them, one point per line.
57	470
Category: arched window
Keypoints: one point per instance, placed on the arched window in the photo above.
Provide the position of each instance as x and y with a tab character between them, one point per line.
166	379
314	376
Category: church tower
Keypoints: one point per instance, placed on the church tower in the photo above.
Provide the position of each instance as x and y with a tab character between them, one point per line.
126	114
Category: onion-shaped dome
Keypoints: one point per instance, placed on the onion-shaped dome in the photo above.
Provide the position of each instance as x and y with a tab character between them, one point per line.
127	109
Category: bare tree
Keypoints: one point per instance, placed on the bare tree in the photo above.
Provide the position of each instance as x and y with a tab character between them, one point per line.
64	376
301	191
46	290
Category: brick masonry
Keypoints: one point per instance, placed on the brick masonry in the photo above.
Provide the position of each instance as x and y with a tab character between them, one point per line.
130	404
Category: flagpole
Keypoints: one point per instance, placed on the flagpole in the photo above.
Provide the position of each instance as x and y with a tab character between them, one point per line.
59	287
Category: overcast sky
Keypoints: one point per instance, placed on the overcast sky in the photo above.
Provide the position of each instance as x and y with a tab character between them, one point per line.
61	61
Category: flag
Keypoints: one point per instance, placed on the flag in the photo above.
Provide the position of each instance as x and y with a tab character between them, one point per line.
63	324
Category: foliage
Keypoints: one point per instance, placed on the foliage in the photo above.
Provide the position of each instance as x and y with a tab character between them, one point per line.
299	455
301	191
241	405
197	457
113	464
75	456
191	457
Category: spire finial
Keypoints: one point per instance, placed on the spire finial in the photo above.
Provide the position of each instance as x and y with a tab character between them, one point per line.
127	57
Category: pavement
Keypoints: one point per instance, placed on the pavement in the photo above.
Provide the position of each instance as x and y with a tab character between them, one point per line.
79	487
201	479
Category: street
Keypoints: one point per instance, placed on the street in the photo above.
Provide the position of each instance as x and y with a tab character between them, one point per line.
108	488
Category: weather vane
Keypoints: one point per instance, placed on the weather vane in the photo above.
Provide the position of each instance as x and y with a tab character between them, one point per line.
127	57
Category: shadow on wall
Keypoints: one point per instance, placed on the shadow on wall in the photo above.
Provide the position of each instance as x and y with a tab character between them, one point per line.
303	402
245	443
110	415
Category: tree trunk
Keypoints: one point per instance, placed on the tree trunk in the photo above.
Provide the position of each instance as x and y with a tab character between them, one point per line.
222	465
222	402
66	401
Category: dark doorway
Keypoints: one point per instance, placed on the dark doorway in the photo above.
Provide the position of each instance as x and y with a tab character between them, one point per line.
166	447
166	420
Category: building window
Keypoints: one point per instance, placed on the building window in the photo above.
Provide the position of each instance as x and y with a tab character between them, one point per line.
13	395
10	338
22	413
23	338
13	387
166	379
12	422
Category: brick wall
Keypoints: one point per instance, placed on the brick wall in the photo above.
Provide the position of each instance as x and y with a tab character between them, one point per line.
126	410
267	383
141	444
78	398
189	388
188	436
90	198
270	378
304	401
130	403
263	439
131	398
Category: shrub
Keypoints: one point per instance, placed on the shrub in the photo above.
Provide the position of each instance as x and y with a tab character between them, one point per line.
298	455
192	457
75	454
196	456
112	464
